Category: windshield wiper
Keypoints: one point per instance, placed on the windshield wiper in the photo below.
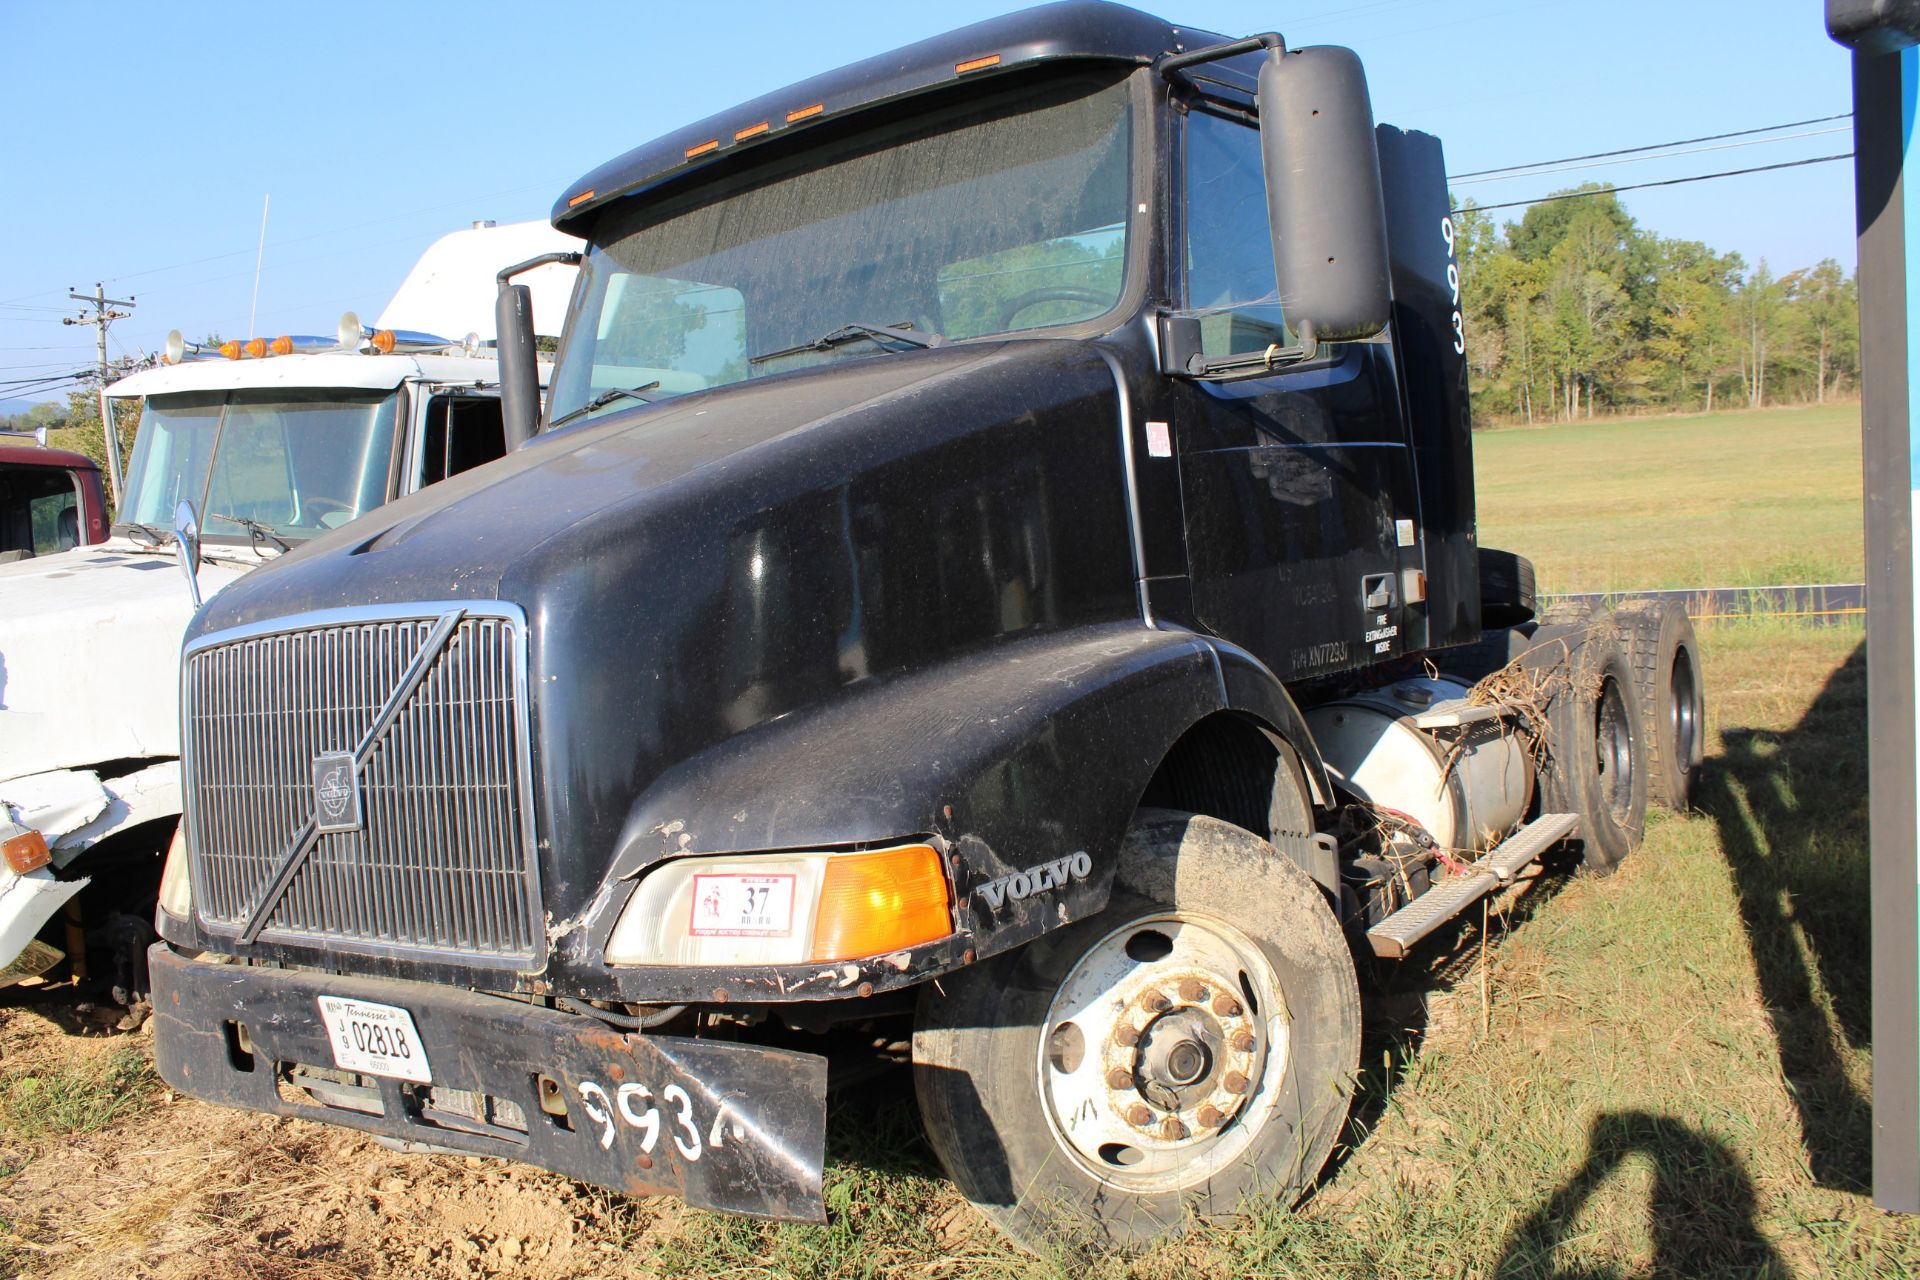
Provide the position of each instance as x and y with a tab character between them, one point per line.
606	398
255	529
853	332
149	535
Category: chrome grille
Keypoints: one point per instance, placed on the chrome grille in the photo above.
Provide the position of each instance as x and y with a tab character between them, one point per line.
442	861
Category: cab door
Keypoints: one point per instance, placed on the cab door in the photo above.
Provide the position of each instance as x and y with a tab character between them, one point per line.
1300	507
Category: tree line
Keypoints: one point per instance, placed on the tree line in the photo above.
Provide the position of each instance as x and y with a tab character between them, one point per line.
1575	310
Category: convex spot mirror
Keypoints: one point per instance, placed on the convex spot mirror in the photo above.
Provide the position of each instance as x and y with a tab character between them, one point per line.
1323	194
186	542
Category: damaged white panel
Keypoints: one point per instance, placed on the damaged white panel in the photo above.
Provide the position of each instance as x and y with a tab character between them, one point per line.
74	809
55	803
26	903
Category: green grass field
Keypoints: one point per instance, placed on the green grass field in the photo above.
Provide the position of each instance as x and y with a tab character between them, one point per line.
1705	500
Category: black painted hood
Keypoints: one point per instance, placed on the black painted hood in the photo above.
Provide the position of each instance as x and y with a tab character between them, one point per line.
465	537
694	571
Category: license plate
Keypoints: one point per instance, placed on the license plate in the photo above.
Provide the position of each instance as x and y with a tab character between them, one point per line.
376	1039
742	906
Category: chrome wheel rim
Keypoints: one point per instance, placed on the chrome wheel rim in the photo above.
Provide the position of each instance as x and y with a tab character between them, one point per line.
1163	1052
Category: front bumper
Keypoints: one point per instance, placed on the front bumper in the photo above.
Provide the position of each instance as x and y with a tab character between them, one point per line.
733	1127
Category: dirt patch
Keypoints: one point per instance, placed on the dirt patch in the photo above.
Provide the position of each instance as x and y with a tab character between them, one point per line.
181	1190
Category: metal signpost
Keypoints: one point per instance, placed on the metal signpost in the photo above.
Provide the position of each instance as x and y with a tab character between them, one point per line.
1884	35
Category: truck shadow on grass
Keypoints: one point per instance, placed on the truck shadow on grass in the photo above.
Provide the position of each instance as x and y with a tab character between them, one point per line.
1791	809
1700	1212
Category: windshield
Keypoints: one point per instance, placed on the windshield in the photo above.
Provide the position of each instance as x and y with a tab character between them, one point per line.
1004	213
297	462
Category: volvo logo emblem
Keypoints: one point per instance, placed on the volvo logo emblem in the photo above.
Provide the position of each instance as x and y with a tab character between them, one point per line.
336	792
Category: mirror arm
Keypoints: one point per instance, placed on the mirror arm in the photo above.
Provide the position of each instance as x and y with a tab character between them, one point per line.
1169	65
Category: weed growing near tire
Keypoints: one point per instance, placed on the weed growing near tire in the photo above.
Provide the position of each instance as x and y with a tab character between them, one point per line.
76	1099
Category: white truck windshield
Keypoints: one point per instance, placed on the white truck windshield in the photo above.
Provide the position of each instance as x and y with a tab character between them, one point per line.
1000	214
296	463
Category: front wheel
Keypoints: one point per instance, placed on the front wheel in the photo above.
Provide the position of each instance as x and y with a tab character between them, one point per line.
1192	1045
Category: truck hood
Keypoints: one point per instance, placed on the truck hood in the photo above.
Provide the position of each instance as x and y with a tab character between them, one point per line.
466	536
90	653
695	570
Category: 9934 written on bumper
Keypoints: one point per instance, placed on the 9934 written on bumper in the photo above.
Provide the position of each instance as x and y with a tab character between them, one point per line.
726	1126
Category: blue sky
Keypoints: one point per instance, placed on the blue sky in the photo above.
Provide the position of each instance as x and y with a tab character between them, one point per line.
377	127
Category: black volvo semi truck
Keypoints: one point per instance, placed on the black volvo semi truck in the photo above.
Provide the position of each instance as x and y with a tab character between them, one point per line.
996	573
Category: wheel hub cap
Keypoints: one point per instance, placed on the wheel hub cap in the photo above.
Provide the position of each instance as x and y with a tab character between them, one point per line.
1185	1039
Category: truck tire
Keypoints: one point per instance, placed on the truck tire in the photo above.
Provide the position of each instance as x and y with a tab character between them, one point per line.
1193	1044
1568	613
1658	638
1506	589
1595	765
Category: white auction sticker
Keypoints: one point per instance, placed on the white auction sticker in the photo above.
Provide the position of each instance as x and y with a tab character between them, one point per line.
378	1039
742	906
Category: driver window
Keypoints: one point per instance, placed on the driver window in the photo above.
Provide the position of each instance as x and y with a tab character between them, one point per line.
1230	276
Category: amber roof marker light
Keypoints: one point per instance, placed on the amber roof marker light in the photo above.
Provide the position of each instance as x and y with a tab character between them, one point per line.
751	131
580	199
976	64
805	113
712	144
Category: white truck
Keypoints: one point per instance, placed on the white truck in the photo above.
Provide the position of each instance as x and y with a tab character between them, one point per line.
274	442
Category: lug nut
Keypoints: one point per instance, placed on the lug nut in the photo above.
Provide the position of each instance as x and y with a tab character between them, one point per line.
1226	1006
1235	1082
1242	1041
1192	990
1209	1117
1172	1130
1119	1078
1139	1115
1127	1036
1156	1003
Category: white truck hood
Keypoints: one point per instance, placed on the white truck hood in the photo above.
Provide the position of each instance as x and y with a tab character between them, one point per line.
90	653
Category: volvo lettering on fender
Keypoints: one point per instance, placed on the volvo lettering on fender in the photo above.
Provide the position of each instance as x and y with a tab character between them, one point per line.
1036	879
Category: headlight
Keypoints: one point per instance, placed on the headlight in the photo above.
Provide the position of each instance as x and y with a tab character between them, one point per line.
789	908
176	890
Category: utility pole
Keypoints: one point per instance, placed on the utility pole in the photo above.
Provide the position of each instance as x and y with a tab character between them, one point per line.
100	319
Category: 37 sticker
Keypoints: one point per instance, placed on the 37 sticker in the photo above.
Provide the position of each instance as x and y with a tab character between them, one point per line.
742	906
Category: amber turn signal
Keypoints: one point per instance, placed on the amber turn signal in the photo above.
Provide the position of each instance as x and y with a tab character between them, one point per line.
24	848
887	900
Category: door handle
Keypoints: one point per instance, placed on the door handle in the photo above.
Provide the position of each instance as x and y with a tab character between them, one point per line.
1376	591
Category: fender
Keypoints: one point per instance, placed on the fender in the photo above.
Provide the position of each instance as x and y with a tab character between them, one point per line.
1022	762
1250	687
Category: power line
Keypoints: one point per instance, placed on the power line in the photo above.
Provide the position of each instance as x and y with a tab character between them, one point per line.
1669	182
1546	169
1657	146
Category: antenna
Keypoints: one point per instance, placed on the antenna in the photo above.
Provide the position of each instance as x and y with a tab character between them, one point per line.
254	309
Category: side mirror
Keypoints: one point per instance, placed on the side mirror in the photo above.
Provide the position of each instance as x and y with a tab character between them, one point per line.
519	374
186	541
1323	194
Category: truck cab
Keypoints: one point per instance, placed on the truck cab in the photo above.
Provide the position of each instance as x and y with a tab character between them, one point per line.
992	501
51	500
274	443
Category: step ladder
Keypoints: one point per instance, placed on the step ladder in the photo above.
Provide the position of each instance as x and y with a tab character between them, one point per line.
1395	936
